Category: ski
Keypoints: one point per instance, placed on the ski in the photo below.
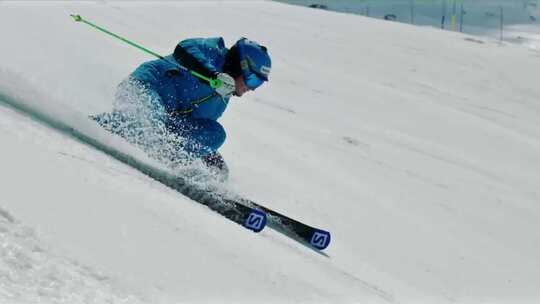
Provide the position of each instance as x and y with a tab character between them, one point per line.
251	218
303	233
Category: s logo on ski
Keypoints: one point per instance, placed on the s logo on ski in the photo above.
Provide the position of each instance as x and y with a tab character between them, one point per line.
256	221
320	239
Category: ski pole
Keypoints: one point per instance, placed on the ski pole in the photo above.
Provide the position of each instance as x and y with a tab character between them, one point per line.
214	83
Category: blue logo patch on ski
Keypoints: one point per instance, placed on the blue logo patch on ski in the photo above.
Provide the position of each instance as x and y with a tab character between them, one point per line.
255	221
320	239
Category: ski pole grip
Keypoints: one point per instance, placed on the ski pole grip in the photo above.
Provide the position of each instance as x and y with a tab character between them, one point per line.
215	83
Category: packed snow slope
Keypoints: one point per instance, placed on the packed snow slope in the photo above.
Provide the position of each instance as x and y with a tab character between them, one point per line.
419	149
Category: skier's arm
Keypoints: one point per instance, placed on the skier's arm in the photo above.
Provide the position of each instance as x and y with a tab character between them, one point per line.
147	74
195	54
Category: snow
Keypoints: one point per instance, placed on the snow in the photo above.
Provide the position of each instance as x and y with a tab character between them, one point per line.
31	273
417	148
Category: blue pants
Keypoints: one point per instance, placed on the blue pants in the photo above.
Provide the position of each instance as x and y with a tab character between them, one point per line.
197	137
201	137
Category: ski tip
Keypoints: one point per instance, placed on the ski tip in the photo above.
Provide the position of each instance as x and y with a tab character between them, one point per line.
320	239
256	221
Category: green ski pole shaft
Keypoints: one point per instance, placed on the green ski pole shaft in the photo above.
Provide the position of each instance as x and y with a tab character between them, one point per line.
214	83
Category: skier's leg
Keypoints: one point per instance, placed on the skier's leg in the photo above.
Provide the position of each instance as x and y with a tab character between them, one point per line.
217	164
201	137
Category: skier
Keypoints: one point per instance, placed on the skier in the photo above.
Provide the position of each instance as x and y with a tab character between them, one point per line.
172	114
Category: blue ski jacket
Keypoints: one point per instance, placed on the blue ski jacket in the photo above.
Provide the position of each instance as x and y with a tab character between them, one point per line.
182	94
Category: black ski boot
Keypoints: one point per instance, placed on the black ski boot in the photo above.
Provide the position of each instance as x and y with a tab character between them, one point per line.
217	165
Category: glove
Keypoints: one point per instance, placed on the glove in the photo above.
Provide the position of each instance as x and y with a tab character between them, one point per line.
227	87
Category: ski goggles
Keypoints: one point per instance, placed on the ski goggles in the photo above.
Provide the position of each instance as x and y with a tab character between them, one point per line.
253	81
